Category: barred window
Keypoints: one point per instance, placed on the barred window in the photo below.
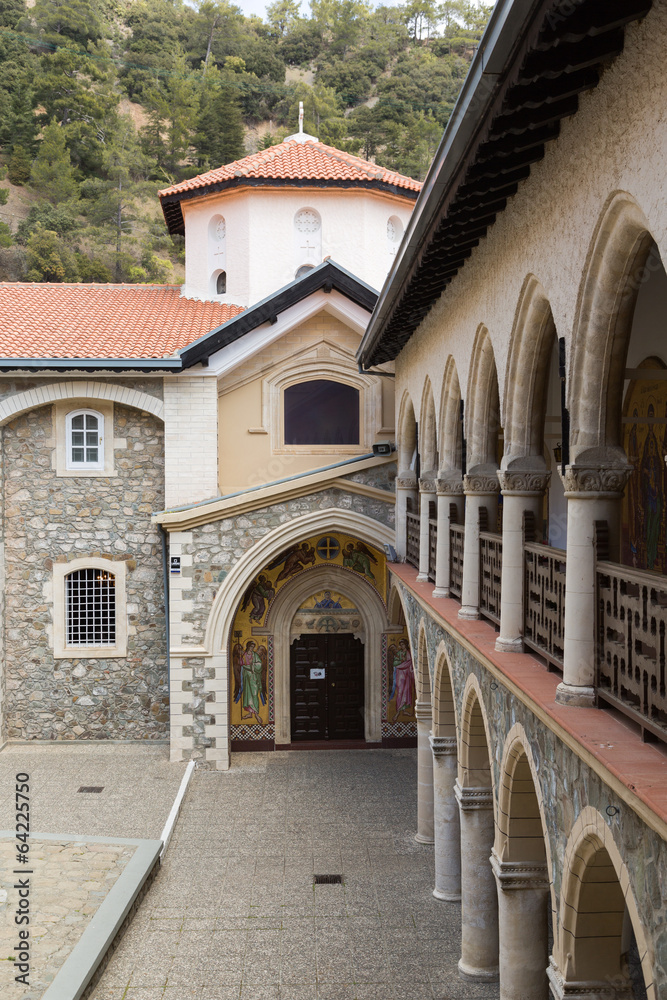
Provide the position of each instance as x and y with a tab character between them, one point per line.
91	608
85	440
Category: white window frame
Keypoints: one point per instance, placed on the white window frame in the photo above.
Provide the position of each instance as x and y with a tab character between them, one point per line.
61	650
64	410
70	463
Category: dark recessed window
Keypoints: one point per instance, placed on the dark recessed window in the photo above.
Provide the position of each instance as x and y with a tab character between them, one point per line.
321	412
221	283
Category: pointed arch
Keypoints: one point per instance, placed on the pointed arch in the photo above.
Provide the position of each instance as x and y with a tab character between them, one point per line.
395	609
617	261
407	433
596	900
444	707
422	669
475	769
428	438
527	374
449	422
482	405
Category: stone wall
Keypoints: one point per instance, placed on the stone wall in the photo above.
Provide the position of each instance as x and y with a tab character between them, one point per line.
567	784
49	519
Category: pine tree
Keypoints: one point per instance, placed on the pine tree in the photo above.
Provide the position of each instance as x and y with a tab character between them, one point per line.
220	134
10	12
52	169
18	168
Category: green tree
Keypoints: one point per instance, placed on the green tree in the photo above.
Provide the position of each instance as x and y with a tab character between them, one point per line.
5	235
52	168
18	168
220	128
173	107
282	14
10	12
4	195
78	20
60	219
50	259
340	22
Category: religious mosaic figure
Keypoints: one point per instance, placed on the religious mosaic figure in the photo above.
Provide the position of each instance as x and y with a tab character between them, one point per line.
251	669
294	559
400	663
259	592
359	558
328	602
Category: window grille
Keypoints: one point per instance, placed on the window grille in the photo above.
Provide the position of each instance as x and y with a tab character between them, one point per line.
85	438
91	608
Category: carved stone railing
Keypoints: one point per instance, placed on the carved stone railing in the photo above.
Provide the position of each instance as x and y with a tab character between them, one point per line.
544	601
490	571
432	547
412	540
631	644
456	536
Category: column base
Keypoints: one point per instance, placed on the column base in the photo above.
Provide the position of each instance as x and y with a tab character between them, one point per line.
478	975
575	695
469	612
509	645
440	592
422	577
421	839
447	897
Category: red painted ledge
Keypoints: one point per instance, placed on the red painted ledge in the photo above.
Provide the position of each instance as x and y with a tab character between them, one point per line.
615	744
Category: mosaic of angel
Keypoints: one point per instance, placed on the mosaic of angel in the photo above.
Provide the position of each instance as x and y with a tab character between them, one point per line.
359	558
251	675
259	592
294	559
399	662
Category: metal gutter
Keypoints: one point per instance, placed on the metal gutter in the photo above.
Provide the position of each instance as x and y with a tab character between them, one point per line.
92	364
504	32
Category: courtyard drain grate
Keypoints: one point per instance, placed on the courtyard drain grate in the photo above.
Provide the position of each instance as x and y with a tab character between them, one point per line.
327	879
91	788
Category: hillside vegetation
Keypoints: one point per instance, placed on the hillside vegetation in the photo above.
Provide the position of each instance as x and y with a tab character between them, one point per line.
102	102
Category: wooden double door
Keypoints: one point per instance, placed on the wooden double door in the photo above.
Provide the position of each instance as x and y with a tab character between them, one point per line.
327	687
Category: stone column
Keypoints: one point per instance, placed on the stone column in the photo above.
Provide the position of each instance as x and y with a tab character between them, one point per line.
424	833
479	902
523	491
447	827
565	987
522	919
593	494
427	496
450	490
481	490
406	488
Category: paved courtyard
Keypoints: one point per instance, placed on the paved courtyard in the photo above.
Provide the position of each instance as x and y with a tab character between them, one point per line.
234	914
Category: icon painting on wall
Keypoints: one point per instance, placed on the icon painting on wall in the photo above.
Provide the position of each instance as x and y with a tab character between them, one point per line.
400	676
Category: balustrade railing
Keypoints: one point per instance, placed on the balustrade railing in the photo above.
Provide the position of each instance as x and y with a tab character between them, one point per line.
456	537
544	601
432	547
631	626
490	571
412	540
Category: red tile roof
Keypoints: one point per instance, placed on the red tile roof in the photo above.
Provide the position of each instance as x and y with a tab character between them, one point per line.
102	321
292	160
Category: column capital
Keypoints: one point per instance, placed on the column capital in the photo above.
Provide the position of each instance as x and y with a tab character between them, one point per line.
518	874
471	799
591	482
423	711
443	746
614	988
406	481
427	485
481	482
523	482
449	484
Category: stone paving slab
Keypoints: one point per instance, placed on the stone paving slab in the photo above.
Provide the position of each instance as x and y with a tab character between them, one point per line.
233	912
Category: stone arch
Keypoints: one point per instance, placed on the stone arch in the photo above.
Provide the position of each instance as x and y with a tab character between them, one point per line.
30	399
482	406
445	722
428	436
596	895
395	610
616	267
422	669
373	614
527	374
449	423
407	434
520	799
475	768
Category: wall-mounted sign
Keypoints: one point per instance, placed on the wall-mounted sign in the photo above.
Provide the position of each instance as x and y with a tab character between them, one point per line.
175	564
317	673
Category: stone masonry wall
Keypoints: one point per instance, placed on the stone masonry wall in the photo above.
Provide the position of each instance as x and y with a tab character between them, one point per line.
49	519
568	785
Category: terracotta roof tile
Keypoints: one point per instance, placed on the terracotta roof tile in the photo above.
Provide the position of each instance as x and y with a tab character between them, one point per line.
102	321
292	160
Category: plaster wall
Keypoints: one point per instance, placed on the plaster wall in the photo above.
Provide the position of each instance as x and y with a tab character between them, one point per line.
615	143
261	252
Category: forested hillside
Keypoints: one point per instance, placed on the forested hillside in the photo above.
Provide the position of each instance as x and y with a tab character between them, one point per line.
102	102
